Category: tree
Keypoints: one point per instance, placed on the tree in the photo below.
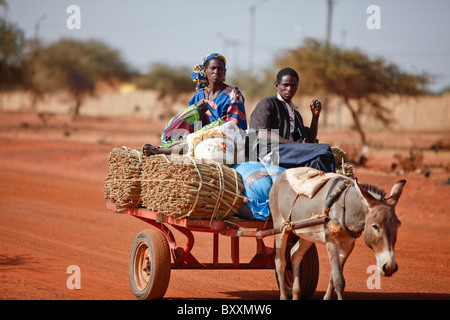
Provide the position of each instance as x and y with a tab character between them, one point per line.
12	44
353	76
74	66
255	85
170	82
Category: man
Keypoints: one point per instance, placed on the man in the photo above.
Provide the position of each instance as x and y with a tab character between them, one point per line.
278	124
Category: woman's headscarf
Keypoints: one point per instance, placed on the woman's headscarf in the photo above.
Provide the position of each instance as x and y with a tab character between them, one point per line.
199	75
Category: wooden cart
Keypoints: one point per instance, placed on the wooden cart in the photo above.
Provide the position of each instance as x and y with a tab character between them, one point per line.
155	252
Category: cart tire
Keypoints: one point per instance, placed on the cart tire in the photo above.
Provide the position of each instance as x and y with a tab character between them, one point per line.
309	271
149	265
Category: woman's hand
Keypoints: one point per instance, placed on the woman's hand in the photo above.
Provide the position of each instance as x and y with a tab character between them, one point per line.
148	150
202	106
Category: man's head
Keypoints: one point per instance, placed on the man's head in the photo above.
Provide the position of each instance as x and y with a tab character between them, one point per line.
287	83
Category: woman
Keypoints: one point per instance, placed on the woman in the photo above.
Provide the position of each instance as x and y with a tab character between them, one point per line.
214	104
222	101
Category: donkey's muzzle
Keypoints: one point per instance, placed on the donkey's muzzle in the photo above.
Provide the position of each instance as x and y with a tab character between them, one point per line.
388	270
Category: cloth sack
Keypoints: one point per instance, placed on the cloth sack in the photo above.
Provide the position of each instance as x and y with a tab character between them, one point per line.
258	179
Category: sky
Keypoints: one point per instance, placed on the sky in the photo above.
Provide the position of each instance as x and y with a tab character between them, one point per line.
414	34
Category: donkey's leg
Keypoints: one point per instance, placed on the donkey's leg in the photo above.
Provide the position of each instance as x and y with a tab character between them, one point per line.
297	253
280	261
330	288
335	268
344	252
338	253
337	280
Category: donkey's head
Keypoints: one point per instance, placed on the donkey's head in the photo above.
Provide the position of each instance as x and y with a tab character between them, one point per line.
381	226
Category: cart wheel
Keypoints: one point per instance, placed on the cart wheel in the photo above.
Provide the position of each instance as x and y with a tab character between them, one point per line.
309	270
149	265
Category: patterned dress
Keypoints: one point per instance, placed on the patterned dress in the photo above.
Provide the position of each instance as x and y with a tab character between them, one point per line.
227	106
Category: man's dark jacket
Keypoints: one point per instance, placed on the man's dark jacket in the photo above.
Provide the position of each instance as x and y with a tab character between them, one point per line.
271	113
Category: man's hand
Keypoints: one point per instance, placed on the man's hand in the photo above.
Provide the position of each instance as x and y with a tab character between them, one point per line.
316	107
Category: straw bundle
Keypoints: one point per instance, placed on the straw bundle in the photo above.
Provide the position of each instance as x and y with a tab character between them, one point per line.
180	186
122	184
342	166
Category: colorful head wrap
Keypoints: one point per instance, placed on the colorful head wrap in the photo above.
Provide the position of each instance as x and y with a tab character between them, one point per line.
199	75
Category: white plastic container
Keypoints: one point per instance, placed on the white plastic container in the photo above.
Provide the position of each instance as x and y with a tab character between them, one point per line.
221	150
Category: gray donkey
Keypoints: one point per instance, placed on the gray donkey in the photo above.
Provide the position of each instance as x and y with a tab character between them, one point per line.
351	208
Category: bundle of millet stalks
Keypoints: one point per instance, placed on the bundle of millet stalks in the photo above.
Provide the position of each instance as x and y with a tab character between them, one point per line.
342	166
176	186
180	187
122	184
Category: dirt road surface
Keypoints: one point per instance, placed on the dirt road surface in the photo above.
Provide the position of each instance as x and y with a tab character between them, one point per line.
52	216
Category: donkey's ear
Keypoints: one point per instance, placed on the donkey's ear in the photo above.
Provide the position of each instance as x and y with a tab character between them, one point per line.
365	196
396	192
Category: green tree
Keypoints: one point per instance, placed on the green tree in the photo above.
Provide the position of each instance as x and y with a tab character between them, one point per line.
254	86
353	76
74	66
12	45
170	82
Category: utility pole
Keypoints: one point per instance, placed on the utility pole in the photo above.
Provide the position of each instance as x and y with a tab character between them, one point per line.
329	20
251	35
37	26
327	45
339	102
233	44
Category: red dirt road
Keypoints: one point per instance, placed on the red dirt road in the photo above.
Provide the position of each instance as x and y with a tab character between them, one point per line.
52	216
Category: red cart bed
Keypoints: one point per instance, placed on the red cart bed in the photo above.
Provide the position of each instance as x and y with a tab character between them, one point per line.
155	252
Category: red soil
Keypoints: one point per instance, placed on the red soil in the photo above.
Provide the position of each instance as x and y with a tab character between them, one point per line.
53	215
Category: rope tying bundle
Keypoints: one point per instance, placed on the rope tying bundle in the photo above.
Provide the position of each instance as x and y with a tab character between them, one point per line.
176	186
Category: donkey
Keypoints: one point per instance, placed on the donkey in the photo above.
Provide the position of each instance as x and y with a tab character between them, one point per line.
358	208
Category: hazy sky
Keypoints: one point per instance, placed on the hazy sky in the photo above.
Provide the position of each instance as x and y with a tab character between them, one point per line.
415	34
